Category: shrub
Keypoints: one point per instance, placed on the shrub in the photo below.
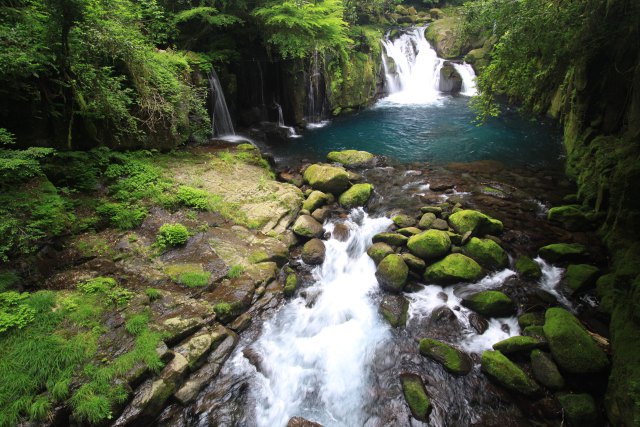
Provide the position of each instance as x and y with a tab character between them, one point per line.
193	197
171	235
122	215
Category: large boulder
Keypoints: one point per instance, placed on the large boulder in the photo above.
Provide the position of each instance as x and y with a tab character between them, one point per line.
580	409
353	158
392	273
450	79
477	223
394	309
498	367
580	276
490	304
528	268
488	253
315	200
517	344
306	226
313	252
572	347
545	370
378	251
327	178
453	360
563	252
356	196
432	244
454	268
572	217
416	396
393	239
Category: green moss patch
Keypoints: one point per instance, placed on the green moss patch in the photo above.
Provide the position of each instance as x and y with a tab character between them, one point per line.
453	360
490	304
497	366
416	396
454	268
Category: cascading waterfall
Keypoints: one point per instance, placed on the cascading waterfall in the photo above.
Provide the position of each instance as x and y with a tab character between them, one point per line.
221	124
413	77
291	132
316	353
315	94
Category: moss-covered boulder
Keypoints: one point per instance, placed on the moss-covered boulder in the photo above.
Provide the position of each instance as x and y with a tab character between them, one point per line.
403	220
535	331
426	220
579	277
528	268
490	304
477	223
356	196
572	347
431	244
352	158
534	318
415	396
392	273
545	370
488	253
394	309
605	292
393	239
313	252
454	268
517	344
453	360
437	210
498	367
290	284
315	200
414	263
580	409
563	252
307	226
409	231
378	251
572	217
326	178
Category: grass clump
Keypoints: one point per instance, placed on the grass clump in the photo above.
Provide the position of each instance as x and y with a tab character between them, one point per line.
137	323
193	197
171	235
122	215
194	279
235	271
153	294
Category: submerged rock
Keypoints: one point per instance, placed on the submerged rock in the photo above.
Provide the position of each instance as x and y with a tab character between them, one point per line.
528	268
476	222
453	360
563	252
415	396
392	273
454	268
578	277
353	158
326	178
313	252
490	304
306	226
378	251
545	370
394	309
431	244
488	253
356	196
498	367
571	346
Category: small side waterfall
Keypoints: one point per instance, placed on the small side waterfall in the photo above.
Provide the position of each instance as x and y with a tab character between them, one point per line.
221	124
315	111
412	69
290	130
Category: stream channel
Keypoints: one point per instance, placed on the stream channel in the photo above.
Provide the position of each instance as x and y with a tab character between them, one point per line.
326	354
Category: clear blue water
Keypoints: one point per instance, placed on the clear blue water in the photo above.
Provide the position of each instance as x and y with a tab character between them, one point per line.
437	133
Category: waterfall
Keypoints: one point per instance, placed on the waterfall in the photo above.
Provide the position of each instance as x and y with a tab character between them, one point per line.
316	353
412	69
290	130
315	94
221	124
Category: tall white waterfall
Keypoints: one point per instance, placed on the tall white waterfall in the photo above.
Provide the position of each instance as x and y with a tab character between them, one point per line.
221	124
412	69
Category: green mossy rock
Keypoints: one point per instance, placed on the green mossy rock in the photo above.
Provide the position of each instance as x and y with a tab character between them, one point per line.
454	268
394	309
580	409
414	263
313	252
488	253
572	217
326	178
604	290
416	396
393	239
433	209
498	367
356	196
490	304
290	285
426	220
403	221
351	158
409	231
315	200
378	251
535	318
307	226
392	273
563	252
579	277
455	238
535	331
528	268
479	224
572	347
545	370
453	360
431	244
517	344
